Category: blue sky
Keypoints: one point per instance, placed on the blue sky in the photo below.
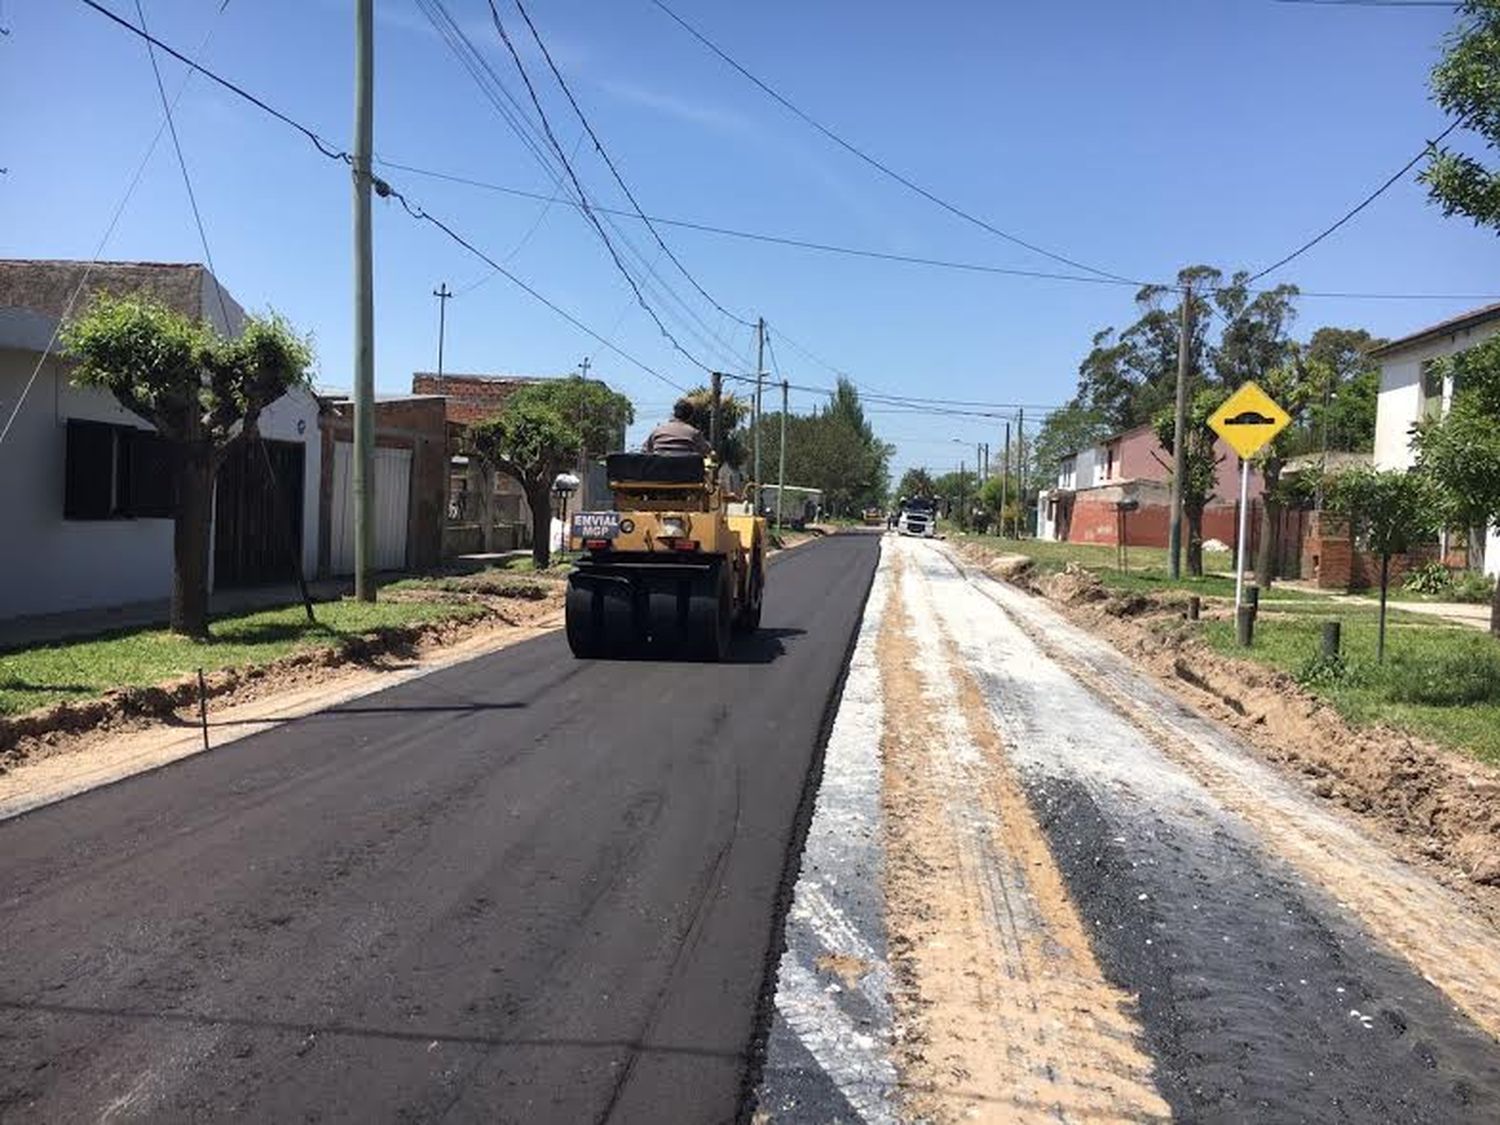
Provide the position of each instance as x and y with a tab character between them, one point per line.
1134	136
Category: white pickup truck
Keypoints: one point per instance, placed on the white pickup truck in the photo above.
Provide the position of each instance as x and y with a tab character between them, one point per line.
918	517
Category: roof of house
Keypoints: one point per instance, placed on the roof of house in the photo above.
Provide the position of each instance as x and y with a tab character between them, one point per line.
48	287
1485	314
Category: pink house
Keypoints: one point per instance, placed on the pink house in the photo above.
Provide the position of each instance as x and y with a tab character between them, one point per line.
1133	466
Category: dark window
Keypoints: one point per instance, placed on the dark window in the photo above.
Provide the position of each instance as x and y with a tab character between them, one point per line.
115	472
89	478
147	486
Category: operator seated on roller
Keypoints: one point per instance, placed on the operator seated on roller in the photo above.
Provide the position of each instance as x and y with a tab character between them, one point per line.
678	434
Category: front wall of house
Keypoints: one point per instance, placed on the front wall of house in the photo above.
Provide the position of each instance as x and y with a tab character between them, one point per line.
50	564
1400	404
1398	407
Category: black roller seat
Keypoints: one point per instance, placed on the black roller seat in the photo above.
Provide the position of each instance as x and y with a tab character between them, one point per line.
655	468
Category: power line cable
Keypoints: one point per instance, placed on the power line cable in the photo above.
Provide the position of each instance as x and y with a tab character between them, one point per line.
318	142
385	191
114	221
881	255
1357	208
614	171
877	164
582	195
187	180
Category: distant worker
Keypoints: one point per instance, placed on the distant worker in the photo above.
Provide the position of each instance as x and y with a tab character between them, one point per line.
678	434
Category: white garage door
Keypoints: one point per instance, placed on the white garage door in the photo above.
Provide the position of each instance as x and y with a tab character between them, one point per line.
392	497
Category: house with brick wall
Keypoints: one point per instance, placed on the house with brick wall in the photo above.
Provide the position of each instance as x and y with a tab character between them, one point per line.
488	511
1084	506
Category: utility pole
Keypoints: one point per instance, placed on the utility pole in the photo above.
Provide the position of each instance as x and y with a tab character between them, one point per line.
1179	436
364	304
443	294
1005	481
1020	471
716	384
760	375
781	469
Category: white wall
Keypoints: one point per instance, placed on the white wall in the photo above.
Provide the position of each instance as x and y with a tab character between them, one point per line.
1400	403
1087	470
49	564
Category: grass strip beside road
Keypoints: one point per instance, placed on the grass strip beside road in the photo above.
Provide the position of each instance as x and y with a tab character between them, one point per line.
1439	681
89	667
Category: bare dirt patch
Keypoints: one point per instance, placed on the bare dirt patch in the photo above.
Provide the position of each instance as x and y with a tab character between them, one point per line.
1002	1012
282	686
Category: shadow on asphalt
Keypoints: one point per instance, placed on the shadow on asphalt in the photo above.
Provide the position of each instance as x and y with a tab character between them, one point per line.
335	712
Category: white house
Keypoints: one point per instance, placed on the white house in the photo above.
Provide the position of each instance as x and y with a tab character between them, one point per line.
85	521
1076	471
1412	388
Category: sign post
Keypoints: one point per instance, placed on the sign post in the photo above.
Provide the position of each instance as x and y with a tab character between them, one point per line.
1248	420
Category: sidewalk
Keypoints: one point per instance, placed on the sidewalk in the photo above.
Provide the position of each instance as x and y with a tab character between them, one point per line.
1473	614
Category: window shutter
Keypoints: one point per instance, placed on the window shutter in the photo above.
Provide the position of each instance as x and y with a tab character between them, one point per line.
148	488
88	476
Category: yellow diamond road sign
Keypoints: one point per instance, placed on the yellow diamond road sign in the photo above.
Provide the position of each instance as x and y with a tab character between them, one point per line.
1248	419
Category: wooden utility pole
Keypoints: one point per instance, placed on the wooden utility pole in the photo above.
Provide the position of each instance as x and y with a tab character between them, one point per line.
716	385
760	376
1020	472
443	294
1179	436
364	305
1005	481
781	469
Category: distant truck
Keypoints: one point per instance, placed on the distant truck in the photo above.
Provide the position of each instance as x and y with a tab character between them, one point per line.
873	517
918	516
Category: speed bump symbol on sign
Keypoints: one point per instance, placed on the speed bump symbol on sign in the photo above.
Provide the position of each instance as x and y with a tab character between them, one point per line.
1249	419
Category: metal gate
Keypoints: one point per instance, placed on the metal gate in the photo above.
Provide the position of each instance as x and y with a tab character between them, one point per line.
258	529
392	499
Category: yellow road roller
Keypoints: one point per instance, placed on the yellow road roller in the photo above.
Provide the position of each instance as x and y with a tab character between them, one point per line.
674	570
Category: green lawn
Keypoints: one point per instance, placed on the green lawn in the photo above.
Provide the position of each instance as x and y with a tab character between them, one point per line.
88	667
1440	681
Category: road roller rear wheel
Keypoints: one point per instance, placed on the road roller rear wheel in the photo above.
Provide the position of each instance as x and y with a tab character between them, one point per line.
583	624
667	615
711	615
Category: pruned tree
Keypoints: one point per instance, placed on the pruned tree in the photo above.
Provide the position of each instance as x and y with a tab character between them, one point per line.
1461	451
539	433
203	393
1392	512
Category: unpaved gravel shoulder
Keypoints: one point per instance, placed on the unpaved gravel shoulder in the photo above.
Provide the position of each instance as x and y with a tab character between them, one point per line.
122	739
1437	809
1003	1013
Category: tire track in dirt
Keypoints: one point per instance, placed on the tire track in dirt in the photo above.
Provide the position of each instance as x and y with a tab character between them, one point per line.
1002	1012
1421	921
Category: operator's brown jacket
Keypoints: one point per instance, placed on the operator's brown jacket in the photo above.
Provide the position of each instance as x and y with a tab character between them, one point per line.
675	436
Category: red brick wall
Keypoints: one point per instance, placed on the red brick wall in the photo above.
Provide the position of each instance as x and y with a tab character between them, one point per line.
471	398
1095	521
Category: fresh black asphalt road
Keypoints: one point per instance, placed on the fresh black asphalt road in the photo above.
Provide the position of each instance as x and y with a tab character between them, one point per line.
526	888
